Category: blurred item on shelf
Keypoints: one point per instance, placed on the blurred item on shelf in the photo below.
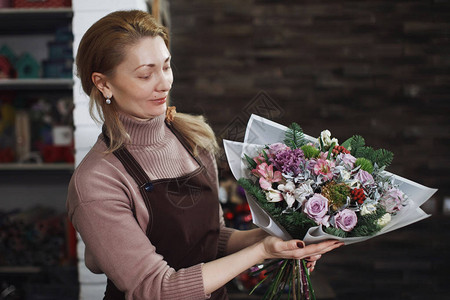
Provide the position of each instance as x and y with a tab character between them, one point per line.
58	64
7	142
5	3
60	57
23	135
57	68
6	51
41	3
39	130
34	237
27	66
6	68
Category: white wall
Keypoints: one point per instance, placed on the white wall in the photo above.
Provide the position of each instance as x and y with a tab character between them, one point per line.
86	12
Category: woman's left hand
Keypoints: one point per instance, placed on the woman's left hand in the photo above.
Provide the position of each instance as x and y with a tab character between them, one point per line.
311	262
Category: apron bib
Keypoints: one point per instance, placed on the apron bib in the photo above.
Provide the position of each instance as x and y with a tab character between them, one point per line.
183	216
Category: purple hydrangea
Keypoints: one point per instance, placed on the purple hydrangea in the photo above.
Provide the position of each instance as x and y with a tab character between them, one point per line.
289	161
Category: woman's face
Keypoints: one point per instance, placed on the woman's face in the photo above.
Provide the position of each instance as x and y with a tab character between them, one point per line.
141	83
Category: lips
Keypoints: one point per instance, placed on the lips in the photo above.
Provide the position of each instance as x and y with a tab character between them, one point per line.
160	100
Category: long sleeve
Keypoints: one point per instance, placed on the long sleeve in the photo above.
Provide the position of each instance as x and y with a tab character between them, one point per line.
99	208
100	199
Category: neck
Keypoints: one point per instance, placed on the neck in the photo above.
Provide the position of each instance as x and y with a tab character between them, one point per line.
144	132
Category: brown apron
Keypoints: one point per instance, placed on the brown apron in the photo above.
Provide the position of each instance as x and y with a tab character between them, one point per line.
183	216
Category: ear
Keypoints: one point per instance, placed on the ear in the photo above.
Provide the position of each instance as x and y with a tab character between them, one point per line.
101	82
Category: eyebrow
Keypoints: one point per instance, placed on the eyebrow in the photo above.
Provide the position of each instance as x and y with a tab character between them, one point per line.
153	65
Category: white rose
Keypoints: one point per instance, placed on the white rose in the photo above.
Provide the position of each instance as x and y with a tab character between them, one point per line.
367	209
386	218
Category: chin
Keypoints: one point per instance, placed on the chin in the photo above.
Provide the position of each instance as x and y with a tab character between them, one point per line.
157	112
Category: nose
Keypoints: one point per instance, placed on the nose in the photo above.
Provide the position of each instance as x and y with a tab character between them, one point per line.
165	81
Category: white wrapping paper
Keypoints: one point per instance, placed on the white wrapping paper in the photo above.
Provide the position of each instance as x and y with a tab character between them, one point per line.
260	132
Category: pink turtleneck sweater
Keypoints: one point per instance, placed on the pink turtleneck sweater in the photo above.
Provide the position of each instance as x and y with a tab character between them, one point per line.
99	206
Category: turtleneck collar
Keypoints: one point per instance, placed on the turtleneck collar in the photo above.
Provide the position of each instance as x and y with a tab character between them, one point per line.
144	132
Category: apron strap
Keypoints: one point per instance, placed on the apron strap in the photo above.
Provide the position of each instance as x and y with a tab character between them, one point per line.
135	170
184	143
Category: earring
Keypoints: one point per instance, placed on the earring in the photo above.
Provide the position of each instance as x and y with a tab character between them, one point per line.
108	100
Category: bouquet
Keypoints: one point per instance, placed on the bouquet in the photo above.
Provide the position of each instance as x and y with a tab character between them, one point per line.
316	189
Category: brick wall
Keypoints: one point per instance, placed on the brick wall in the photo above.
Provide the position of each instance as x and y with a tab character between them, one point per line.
376	68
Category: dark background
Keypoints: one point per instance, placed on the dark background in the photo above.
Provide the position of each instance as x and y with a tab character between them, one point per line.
380	69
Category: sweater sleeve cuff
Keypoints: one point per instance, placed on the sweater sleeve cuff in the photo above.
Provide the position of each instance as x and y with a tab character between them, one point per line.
185	284
224	236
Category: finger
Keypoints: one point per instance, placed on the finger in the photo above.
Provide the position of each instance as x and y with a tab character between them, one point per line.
293	245
313	258
319	249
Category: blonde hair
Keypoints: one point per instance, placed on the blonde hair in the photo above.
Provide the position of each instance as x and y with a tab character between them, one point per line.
102	49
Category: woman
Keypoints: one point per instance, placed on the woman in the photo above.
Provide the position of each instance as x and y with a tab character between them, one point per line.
144	199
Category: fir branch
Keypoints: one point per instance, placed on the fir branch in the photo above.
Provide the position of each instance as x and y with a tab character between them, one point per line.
296	223
383	158
252	189
356	142
336	232
367	224
294	137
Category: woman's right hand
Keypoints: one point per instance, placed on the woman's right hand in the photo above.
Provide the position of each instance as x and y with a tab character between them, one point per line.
274	247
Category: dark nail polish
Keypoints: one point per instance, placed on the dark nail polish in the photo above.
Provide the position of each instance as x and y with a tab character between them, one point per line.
300	245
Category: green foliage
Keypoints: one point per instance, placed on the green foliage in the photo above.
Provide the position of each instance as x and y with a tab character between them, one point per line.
336	232
356	146
252	189
251	162
266	157
297	224
383	157
330	151
365	164
367	224
294	137
310	151
356	142
337	194
347	144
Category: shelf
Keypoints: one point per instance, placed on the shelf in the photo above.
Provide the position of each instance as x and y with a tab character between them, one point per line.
33	20
36	84
20	269
35	167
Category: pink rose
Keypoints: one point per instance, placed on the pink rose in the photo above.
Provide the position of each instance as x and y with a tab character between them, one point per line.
316	208
392	200
346	219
